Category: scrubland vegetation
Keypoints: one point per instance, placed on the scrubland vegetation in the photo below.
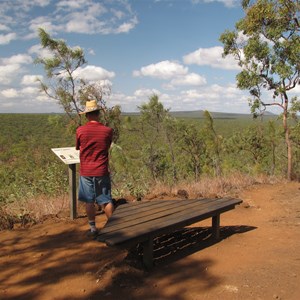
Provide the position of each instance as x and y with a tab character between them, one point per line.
155	153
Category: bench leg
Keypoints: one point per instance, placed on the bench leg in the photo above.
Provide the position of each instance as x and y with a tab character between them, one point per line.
148	253
216	227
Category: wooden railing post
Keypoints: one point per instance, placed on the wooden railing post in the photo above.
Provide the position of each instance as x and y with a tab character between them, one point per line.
72	191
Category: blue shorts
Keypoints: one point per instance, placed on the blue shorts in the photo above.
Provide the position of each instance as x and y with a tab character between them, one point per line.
95	189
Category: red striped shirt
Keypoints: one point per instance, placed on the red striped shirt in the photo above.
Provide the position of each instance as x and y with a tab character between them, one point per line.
93	140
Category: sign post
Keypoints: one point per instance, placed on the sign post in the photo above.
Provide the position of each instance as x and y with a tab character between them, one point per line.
70	156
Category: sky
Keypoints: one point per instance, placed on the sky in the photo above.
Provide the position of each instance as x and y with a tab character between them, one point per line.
170	48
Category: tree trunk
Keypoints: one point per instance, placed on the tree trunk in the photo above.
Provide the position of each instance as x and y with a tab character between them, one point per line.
273	159
289	154
288	141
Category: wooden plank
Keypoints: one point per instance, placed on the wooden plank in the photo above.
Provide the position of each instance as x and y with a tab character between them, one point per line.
146	216
140	232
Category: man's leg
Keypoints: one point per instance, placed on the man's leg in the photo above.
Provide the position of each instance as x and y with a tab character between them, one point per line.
108	209
91	213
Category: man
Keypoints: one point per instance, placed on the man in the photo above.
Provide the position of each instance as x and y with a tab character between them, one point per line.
94	140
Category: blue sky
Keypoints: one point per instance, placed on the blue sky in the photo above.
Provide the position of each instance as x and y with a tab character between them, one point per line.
139	47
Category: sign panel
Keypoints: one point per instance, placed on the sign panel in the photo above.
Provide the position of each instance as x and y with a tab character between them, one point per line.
68	155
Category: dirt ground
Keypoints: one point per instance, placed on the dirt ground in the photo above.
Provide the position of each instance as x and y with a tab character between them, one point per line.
258	257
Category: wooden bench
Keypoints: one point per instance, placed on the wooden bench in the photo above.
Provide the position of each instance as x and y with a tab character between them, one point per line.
141	222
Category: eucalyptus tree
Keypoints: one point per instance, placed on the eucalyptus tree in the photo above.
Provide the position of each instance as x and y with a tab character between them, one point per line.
153	113
214	143
63	83
193	147
266	44
152	116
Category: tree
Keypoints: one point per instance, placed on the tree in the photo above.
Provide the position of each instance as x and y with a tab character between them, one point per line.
214	143
171	137
63	84
248	146
269	55
153	113
193	145
152	118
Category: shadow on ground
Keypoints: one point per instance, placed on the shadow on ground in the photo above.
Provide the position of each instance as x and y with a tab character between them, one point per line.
181	243
168	249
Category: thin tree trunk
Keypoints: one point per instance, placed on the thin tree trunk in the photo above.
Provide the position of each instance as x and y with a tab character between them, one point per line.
288	141
273	159
289	154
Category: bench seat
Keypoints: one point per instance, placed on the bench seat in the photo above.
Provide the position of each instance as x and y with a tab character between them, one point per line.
141	222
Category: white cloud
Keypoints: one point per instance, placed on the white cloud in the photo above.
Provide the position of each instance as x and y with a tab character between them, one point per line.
7	105
3	27
296	90
71	4
211	57
127	26
130	103
30	90
82	23
27	4
8	73
214	91
93	73
91	51
188	79
42	22
31	79
214	98
7	38
90	18
228	3
80	16
162	70
39	51
10	93
146	93
18	59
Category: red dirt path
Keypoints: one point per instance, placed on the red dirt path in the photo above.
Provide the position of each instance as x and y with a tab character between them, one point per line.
258	257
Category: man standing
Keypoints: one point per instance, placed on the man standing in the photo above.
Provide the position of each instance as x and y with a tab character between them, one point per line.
94	140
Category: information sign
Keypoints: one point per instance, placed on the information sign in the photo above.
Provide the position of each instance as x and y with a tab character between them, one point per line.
68	155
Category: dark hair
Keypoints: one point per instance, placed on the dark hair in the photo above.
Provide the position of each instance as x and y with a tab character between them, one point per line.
93	113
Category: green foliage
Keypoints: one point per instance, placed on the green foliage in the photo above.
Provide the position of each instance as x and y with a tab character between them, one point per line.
269	55
28	166
63	84
214	144
182	149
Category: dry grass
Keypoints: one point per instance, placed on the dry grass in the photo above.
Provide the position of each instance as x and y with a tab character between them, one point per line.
207	187
39	207
28	211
